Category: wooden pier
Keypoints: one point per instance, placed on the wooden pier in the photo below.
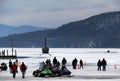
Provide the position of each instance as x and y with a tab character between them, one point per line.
4	54
8	57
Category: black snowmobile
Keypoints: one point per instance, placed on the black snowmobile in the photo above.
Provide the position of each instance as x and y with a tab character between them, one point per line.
3	66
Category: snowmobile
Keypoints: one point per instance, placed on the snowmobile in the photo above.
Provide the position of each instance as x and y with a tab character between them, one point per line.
45	72
3	66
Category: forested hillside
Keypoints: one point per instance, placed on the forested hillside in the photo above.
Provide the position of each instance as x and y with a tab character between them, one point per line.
101	31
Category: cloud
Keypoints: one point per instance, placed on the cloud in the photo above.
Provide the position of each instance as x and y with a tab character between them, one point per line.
52	13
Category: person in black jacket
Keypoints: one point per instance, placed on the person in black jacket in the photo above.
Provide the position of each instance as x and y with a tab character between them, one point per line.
99	65
104	63
81	63
10	66
55	61
74	63
64	61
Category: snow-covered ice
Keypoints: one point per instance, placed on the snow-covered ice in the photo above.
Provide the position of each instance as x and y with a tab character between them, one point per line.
90	56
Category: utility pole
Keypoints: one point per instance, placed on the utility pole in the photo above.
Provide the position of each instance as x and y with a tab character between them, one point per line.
12	45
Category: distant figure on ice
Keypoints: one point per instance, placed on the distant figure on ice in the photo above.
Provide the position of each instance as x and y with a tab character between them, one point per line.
74	63
99	65
64	61
10	66
104	63
16	63
23	68
14	69
54	61
81	63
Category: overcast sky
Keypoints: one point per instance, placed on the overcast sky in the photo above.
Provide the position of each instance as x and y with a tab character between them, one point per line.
52	13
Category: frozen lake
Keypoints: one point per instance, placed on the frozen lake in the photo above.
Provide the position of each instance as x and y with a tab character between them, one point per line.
89	56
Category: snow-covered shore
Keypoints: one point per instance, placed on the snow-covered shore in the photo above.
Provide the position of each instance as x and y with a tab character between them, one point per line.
86	74
89	73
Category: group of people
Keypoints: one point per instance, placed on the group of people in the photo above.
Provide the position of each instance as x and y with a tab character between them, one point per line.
55	68
13	67
74	63
52	69
102	64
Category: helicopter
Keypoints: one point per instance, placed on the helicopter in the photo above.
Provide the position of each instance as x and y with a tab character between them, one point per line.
45	49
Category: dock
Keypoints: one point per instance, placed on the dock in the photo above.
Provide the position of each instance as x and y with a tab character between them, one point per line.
8	57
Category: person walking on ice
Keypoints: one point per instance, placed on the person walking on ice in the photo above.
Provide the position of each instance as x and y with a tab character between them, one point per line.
23	68
99	65
74	63
10	66
14	70
104	63
81	63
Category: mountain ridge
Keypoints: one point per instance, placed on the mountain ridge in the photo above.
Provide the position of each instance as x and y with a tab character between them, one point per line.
8	30
99	31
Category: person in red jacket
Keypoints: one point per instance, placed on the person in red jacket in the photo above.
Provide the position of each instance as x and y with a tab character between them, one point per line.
14	69
23	68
